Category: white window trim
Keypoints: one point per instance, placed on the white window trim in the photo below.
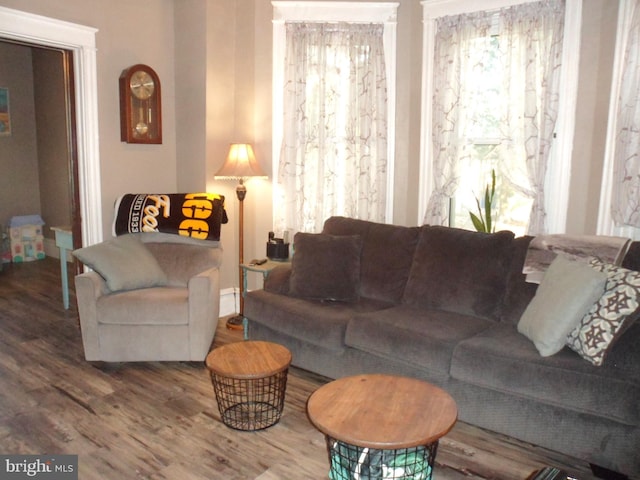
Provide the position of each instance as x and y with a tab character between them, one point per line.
558	172
330	11
606	224
79	39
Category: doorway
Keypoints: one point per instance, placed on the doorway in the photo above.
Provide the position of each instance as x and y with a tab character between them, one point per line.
78	41
40	155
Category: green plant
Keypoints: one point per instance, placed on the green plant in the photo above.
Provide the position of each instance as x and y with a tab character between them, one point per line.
483	221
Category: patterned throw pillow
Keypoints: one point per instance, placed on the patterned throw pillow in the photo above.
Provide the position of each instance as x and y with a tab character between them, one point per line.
605	322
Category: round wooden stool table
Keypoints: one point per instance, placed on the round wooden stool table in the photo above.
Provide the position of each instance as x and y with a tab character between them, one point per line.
249	379
381	426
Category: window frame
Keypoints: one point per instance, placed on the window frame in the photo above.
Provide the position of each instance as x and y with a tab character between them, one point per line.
331	11
559	168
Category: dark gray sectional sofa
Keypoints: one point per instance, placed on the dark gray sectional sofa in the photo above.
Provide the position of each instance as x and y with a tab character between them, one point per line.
442	304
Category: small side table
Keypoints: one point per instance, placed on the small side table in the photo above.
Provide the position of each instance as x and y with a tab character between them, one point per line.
64	241
249	380
381	426
265	269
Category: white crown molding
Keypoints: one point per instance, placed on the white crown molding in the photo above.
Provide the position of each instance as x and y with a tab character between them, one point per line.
360	12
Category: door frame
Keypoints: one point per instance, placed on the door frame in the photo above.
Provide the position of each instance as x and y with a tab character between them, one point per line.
80	40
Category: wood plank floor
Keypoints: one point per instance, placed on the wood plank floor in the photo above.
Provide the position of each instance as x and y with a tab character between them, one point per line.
160	420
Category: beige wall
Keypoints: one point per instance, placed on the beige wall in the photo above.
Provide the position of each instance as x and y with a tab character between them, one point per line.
129	33
19	193
53	149
34	159
596	64
214	61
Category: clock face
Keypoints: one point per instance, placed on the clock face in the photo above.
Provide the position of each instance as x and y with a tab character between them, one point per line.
141	84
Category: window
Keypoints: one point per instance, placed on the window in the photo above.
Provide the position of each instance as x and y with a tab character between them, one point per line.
487	146
333	112
497	97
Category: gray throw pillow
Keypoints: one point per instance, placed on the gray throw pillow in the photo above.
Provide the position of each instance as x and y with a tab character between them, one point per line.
124	262
326	267
567	291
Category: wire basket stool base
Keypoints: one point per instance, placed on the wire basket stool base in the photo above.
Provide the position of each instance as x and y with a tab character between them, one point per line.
251	416
349	462
250	404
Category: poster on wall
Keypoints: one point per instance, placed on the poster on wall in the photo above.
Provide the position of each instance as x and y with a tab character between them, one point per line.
5	118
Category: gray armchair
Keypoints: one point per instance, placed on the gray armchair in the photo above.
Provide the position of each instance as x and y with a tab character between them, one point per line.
172	322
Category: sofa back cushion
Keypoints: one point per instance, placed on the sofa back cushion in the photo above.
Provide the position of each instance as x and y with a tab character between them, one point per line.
326	267
460	271
387	254
519	292
632	258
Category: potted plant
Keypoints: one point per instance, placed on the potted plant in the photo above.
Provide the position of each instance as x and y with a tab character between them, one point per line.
483	222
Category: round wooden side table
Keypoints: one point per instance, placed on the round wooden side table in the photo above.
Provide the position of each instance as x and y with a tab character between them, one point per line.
381	426
249	380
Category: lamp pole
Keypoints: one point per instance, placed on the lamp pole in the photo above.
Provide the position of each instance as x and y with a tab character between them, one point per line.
237	321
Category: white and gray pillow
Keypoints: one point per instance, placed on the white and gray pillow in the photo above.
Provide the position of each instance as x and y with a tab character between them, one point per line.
610	316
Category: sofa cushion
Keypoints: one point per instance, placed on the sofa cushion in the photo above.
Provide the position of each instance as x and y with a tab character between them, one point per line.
387	254
460	271
625	354
519	292
611	315
503	360
124	262
314	321
419	337
566	293
326	267
277	280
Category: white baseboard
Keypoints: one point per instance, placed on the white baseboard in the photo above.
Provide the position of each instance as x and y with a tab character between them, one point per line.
229	301
50	249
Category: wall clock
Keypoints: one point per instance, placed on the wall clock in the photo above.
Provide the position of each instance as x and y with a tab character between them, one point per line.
140	105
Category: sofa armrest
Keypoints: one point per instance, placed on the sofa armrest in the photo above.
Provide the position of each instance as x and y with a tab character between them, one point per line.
204	311
90	286
278	279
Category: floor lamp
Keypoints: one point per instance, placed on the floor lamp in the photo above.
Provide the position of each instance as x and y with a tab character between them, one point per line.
240	164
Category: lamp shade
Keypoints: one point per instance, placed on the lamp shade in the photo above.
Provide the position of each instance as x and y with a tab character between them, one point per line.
240	163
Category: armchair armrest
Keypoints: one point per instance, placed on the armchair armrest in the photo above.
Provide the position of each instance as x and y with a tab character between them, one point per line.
90	286
204	310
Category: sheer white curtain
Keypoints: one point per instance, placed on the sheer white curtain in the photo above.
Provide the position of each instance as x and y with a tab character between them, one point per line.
452	64
333	159
530	46
534	34
625	206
